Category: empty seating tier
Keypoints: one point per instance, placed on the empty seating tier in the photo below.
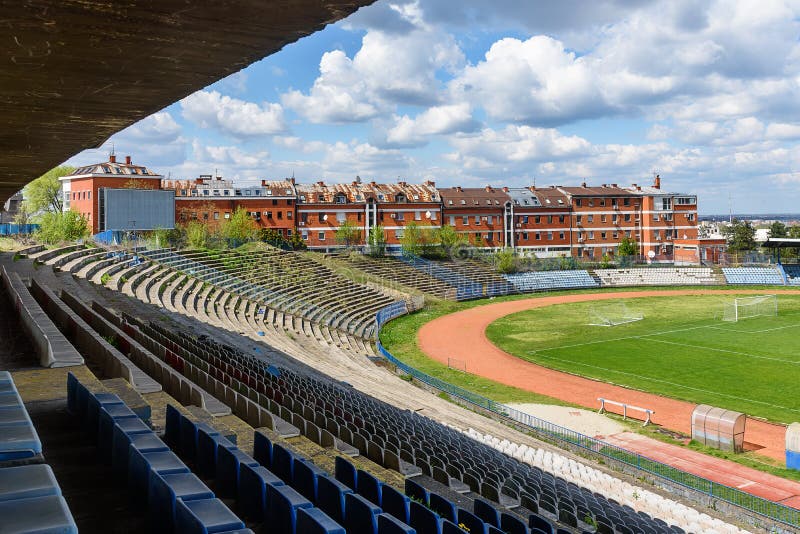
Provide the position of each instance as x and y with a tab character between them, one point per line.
657	276
753	275
550	280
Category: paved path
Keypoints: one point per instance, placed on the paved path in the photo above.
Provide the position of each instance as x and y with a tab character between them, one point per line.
464	334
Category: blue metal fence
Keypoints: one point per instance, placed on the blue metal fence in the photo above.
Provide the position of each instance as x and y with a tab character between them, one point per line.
17	229
737	497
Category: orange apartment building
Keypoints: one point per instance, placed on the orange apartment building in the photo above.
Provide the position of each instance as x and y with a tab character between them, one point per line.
322	208
211	199
81	190
482	214
541	221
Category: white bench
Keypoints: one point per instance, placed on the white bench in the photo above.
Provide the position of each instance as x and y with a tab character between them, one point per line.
625	407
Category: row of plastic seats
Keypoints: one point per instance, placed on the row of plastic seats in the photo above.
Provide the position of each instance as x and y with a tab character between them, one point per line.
30	497
752	275
176	499
18	437
544	280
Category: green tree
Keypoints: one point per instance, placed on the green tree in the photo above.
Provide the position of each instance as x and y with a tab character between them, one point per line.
348	234
296	241
505	261
412	240
794	232
377	241
196	234
628	247
741	236
450	240
274	238
778	229
44	193
58	226
239	228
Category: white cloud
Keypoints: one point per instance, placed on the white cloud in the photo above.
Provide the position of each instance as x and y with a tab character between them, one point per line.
783	131
407	132
238	118
388	69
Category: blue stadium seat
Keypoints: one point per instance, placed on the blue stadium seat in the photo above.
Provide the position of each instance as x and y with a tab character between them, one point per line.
448	527
208	444
304	478
282	463
262	449
360	515
424	520
444	507
539	522
512	524
72	393
282	505
486	513
172	428
345	473
116	419
331	497
204	516
415	491
388	524
395	503
95	401
27	481
369	487
142	465
38	514
470	520
122	444
315	521
253	481
18	437
229	462
164	492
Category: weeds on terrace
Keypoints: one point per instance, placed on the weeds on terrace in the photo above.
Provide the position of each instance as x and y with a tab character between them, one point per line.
105	278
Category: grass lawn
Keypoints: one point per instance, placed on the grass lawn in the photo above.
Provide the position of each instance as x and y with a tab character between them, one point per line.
681	349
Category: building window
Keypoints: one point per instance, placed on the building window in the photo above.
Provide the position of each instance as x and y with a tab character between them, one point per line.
578	202
655	216
465	220
549	236
602	218
602	235
269	215
614	218
524	236
489	219
304	218
561	218
602	202
288	232
417	215
341	217
289	215
90	195
537	236
627	233
525	219
627	217
591	235
280	215
626	202
305	236
578	218
591	203
322	217
537	219
690	217
561	235
590	218
227	215
321	236
399	216
477	219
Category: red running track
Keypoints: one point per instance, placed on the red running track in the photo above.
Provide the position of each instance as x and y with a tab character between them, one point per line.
463	334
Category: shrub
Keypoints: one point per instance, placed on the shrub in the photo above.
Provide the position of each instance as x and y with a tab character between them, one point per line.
58	226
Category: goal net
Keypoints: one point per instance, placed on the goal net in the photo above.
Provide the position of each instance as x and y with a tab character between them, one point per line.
612	314
746	307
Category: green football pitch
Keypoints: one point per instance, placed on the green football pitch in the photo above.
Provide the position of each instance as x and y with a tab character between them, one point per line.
681	348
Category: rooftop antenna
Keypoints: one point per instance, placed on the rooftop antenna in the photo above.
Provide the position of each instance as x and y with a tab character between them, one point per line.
112	150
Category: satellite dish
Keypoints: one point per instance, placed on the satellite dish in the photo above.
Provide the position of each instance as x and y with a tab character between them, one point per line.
428	214
324	217
651	254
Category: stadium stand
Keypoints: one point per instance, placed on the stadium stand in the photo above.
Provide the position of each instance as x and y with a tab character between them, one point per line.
286	282
550	280
753	275
657	276
792	271
471	279
400	272
457	475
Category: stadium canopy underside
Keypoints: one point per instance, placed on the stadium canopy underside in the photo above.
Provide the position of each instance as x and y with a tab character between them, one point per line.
76	71
781	242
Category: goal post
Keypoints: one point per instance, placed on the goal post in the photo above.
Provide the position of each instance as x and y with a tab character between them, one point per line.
612	314
747	307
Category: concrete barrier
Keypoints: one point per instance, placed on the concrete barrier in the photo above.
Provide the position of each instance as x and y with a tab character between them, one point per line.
53	348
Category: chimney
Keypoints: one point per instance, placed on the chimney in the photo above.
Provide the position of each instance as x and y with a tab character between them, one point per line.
505	189
430	183
488	188
657	182
112	158
635	186
321	183
127	160
373	184
458	188
583	184
613	185
263	183
292	180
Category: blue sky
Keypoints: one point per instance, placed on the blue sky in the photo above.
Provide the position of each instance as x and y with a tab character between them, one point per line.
706	93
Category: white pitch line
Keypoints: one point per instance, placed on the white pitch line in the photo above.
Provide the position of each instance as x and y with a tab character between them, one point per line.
724	350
